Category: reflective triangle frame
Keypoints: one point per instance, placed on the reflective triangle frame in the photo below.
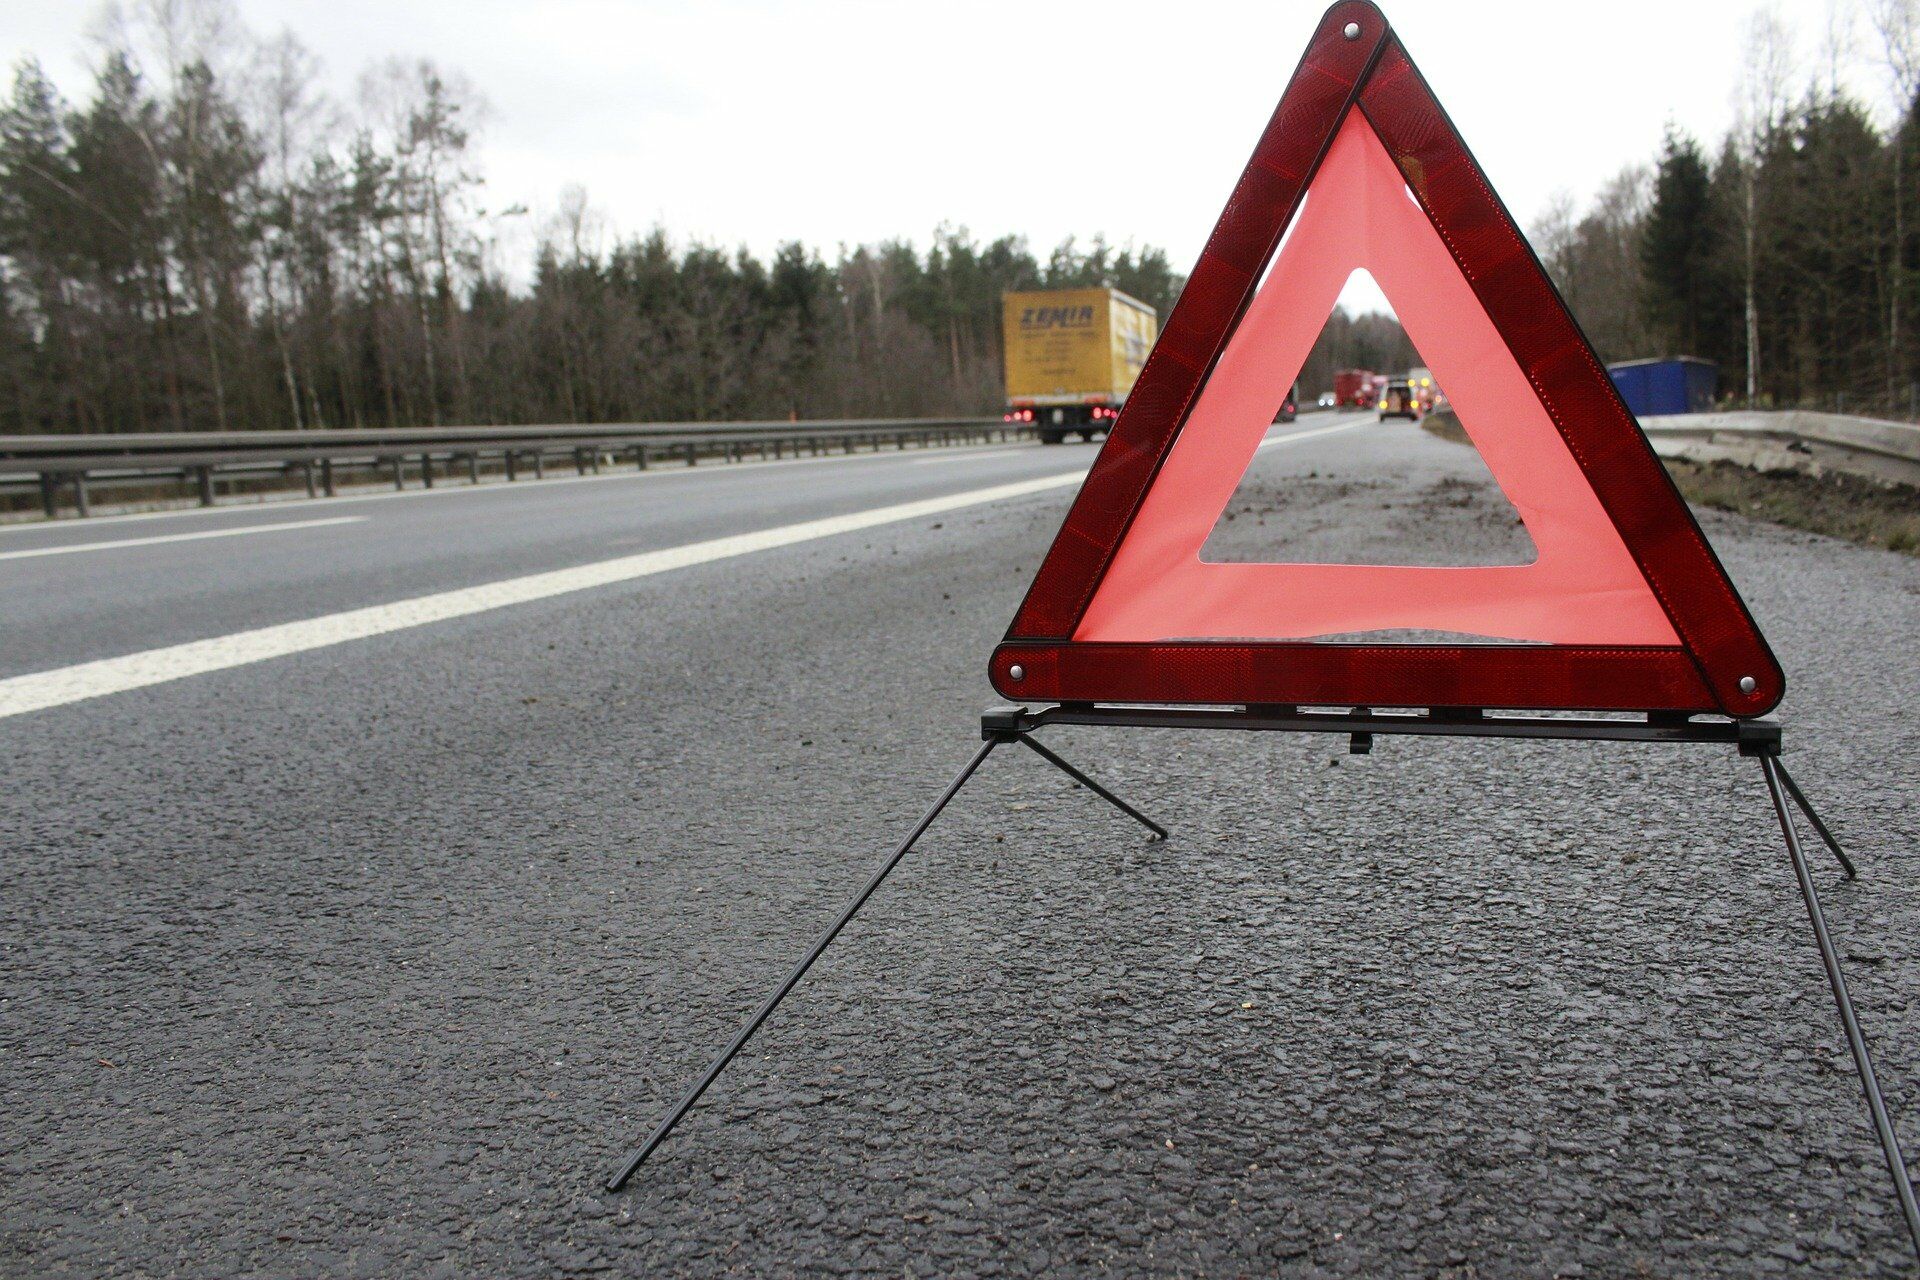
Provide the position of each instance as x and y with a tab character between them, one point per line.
1722	663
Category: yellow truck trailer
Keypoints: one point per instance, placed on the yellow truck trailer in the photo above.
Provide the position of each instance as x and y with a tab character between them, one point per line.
1072	357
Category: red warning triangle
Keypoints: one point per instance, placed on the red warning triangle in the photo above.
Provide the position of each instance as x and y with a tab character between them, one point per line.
1625	608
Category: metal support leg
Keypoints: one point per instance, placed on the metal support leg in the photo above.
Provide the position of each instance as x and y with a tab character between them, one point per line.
1799	798
685	1104
1877	1105
1159	832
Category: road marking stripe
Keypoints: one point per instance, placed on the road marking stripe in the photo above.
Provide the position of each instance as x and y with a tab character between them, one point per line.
176	537
41	689
960	457
1308	435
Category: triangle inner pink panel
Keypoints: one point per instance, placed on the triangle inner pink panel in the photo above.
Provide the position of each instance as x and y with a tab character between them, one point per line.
1584	588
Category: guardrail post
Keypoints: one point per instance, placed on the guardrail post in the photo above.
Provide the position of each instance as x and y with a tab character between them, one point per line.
326	476
49	495
640	457
692	459
203	477
426	470
306	471
80	494
539	464
512	471
473	466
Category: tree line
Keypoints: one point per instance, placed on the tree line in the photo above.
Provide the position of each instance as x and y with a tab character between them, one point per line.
210	243
1787	251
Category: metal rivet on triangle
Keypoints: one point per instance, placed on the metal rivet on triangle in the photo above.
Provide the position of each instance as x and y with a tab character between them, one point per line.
1016	672
1748	684
1352	31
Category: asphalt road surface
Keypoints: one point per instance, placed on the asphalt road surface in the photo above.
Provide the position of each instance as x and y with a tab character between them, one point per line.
369	887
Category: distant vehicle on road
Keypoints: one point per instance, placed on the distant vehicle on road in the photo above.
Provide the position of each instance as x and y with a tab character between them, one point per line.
1327	400
1351	389
1420	380
1072	357
1290	407
1399	400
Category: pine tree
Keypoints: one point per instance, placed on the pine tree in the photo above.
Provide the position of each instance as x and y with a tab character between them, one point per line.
1678	244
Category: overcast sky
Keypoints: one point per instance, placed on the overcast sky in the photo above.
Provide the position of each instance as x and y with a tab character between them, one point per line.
757	121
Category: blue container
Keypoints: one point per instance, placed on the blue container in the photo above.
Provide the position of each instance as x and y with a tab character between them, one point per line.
1682	384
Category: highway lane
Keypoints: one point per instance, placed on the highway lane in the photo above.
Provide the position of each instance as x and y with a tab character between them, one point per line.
116	601
158	582
375	959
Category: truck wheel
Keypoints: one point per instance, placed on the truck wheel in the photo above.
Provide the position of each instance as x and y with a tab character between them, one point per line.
1086	435
1052	437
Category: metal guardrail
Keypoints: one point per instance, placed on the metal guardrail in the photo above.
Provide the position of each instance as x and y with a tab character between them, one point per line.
56	465
1784	440
1792	440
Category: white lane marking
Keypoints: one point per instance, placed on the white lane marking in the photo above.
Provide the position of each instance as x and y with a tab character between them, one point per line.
526	484
41	689
1308	435
176	537
958	457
